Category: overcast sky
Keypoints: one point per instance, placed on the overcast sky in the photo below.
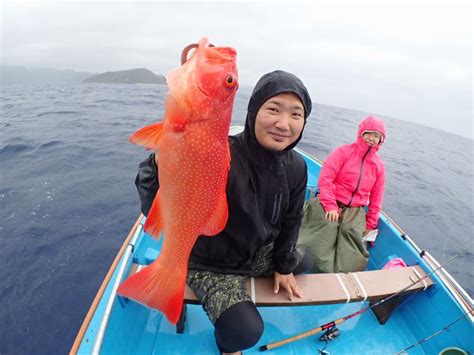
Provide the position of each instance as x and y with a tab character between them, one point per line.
411	61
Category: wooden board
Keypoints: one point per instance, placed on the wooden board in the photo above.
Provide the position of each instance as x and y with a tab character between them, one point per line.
334	288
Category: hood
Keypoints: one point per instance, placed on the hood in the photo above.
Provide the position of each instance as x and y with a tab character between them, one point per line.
269	85
371	124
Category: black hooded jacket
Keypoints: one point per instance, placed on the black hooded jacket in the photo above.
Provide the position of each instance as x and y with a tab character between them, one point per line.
265	193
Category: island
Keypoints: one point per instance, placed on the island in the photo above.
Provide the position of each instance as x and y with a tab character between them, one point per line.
132	76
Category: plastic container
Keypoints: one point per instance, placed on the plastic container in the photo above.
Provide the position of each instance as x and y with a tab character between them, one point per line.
396	262
453	351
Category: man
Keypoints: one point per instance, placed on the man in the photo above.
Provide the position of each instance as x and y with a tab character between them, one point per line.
265	194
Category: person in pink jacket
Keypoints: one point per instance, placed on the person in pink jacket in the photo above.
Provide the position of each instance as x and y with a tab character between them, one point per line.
352	177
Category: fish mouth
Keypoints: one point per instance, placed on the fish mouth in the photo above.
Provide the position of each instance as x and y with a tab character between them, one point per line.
223	54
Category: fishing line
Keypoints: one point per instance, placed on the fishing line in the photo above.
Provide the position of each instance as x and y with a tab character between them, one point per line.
382	319
405	299
444	329
352	315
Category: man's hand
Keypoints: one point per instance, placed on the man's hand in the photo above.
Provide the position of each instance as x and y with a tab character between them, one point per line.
288	282
332	216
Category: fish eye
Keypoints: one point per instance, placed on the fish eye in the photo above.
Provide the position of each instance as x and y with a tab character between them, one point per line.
230	81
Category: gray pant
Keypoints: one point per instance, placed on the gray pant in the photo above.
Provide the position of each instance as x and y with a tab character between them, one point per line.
335	246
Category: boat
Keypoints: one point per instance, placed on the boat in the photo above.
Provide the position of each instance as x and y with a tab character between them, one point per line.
433	320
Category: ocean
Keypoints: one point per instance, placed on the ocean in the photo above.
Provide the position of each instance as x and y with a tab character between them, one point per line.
68	198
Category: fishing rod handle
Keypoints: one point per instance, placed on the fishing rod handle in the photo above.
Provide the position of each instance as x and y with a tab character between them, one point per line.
277	344
301	336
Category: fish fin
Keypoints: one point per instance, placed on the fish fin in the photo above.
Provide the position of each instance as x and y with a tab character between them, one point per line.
176	113
148	136
158	288
154	221
218	219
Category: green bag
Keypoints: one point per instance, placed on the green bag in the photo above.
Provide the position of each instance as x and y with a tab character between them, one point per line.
335	246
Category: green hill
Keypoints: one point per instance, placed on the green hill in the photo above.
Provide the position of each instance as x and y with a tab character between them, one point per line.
132	76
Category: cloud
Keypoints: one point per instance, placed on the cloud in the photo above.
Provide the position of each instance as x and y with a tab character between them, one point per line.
410	61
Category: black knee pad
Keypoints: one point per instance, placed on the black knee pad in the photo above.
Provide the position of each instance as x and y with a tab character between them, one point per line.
239	327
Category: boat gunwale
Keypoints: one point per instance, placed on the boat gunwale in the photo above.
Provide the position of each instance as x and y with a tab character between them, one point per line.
104	322
456	290
85	324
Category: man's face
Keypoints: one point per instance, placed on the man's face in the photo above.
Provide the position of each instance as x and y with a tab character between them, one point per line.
279	121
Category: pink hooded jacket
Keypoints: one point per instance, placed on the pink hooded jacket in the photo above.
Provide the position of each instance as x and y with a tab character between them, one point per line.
354	175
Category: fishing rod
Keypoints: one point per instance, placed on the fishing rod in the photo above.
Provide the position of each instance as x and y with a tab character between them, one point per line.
419	342
333	323
444	329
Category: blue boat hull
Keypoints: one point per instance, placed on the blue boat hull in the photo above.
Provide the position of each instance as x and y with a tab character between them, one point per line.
134	329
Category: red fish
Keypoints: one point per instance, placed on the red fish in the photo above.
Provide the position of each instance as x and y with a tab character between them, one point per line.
193	162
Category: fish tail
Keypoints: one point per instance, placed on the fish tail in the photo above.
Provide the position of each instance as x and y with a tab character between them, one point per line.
154	222
157	288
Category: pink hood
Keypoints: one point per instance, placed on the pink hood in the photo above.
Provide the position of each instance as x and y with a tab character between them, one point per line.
354	174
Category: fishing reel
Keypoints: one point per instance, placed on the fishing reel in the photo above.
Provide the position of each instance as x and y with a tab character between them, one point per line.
330	334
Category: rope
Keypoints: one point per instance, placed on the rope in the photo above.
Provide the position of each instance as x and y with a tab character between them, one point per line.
360	285
348	296
252	289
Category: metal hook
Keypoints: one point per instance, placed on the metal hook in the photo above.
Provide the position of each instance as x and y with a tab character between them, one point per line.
184	53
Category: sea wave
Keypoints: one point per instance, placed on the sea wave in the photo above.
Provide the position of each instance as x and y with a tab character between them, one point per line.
68	197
